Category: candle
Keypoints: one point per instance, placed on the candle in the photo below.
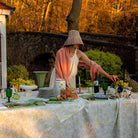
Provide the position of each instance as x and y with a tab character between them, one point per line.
79	85
79	80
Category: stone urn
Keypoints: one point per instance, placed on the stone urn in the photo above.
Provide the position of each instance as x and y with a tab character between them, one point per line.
40	76
28	89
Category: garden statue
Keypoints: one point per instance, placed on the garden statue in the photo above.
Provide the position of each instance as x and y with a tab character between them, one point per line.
15	94
14	90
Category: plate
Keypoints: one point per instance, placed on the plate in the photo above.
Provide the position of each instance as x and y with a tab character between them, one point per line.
100	96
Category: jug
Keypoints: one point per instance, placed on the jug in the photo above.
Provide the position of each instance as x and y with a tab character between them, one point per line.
59	85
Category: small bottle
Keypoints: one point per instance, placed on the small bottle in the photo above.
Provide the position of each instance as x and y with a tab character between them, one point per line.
96	87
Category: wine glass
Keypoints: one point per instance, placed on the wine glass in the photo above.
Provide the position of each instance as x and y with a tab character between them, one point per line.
9	94
105	87
91	84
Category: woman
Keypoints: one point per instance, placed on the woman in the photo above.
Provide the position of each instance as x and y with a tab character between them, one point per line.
69	57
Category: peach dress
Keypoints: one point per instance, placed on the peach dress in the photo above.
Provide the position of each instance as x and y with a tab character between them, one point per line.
73	72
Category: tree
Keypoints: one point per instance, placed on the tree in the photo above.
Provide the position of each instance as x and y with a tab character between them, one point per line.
97	16
73	17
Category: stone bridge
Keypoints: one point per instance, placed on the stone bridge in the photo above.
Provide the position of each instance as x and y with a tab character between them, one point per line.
36	50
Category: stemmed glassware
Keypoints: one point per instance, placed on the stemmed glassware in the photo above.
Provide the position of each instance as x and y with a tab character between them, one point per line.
91	84
105	87
9	94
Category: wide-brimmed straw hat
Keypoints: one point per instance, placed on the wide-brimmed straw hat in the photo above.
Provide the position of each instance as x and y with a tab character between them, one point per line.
73	38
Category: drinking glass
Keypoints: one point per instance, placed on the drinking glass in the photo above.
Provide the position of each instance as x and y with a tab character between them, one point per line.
9	94
105	87
91	84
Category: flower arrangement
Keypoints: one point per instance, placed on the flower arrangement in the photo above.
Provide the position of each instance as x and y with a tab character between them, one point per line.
118	83
17	82
28	86
29	82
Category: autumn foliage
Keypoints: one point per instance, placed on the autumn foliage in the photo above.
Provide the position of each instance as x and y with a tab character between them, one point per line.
97	16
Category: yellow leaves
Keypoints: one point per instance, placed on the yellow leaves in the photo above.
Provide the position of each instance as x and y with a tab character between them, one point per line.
120	82
16	83
50	15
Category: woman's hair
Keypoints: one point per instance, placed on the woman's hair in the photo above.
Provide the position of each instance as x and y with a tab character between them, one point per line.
67	45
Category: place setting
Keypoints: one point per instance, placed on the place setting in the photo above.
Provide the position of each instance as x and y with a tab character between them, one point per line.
10	101
104	92
94	91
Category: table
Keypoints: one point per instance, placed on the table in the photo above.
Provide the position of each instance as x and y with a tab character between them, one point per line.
77	119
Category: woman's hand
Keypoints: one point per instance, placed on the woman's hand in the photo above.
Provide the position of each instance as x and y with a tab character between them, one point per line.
113	77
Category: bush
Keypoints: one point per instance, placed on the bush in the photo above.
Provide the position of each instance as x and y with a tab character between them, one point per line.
15	72
111	63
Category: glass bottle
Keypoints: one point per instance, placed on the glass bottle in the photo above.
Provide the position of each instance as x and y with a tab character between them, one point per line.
96	87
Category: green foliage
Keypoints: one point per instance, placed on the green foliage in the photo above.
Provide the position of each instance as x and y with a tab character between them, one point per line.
15	72
111	63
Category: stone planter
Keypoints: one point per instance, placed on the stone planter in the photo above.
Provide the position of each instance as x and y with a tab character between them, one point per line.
40	76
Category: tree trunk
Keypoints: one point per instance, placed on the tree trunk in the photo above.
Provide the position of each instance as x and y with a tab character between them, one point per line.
73	17
45	14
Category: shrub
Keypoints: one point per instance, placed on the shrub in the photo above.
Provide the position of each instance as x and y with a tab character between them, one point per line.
111	63
15	72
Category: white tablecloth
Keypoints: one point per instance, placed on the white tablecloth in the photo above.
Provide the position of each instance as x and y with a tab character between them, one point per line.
78	119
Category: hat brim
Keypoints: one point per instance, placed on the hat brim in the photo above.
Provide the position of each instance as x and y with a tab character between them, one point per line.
73	40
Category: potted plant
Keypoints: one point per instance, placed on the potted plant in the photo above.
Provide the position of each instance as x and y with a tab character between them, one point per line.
28	86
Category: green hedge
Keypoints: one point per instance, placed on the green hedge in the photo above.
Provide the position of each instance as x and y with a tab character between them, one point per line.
111	63
16	72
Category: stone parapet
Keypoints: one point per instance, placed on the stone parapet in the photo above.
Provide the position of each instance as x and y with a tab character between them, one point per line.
37	50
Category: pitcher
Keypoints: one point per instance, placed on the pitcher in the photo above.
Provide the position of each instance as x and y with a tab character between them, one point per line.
59	85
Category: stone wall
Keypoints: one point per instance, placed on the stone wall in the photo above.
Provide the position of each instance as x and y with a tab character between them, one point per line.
36	50
136	60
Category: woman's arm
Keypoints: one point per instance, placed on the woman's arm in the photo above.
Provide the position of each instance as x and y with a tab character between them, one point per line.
83	57
112	77
87	61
